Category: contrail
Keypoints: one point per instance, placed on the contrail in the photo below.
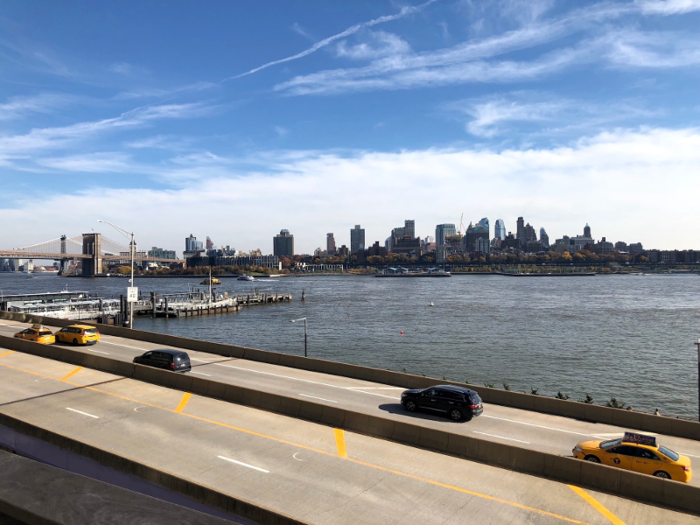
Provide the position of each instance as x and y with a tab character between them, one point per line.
349	31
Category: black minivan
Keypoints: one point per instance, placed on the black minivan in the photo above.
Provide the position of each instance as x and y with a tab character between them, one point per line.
454	401
175	360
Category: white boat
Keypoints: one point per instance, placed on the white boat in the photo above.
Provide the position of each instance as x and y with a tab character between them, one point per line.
246	278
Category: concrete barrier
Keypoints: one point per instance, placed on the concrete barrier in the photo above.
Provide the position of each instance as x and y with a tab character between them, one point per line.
564	469
565	408
34	493
194	491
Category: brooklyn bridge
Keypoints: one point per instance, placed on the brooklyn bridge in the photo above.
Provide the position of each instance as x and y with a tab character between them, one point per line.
91	248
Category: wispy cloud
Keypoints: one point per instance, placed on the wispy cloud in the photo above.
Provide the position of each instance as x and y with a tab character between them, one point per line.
300	31
105	162
377	44
59	137
668	7
405	11
281	131
16	107
162	93
651	49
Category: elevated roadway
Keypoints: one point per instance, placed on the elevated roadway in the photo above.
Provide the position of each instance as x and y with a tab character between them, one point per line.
309	472
542	432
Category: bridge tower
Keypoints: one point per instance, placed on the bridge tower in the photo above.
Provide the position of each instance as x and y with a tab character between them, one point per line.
64	261
92	245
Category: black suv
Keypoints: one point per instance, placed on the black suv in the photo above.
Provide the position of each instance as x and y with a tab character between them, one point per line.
455	401
175	360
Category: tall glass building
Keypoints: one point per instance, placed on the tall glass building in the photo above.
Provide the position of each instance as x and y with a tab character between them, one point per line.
442	231
357	239
499	230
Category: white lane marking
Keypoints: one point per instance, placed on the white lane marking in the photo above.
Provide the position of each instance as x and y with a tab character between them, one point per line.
374	388
501	437
295	457
83	413
302	380
126	346
137	408
199	373
689	455
542	426
201	360
98	352
244	464
322	399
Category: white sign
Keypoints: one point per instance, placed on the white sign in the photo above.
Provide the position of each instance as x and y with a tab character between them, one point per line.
132	294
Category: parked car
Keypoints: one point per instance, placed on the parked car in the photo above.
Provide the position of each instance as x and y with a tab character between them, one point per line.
175	360
454	401
639	453
78	334
37	333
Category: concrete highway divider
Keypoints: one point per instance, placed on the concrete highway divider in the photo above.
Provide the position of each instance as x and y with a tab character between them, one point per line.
647	489
547	405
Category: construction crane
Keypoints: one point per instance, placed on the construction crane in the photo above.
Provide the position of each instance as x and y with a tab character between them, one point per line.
461	225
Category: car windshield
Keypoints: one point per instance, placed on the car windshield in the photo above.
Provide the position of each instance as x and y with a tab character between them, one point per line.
474	399
669	453
91	331
45	333
611	443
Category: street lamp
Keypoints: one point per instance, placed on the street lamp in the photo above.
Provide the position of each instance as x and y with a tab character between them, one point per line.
698	345
131	281
305	337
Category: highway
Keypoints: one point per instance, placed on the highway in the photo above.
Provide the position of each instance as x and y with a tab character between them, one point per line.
543	432
311	472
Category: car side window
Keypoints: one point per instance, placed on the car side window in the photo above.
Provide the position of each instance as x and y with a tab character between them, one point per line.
647	454
625	450
148	355
431	393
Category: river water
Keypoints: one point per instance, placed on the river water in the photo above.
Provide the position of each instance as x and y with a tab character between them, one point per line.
627	337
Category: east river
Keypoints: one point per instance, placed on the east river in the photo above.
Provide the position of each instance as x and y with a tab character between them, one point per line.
627	337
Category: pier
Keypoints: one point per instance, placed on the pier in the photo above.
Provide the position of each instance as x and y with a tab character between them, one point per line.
196	303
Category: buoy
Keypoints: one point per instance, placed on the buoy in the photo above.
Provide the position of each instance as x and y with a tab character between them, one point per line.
431	304
401	332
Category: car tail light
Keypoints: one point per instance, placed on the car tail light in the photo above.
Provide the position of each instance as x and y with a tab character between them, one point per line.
686	469
172	366
474	406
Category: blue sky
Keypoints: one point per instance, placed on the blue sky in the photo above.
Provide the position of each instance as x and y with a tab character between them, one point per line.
235	120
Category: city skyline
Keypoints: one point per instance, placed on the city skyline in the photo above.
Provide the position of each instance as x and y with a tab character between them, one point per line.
318	116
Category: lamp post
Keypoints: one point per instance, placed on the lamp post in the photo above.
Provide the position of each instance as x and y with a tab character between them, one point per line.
305	336
131	281
698	345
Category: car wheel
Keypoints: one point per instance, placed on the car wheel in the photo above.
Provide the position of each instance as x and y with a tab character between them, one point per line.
455	414
661	474
592	459
411	406
75	342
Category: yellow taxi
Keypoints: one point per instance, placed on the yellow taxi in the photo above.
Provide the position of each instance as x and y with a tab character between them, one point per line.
639	453
78	334
37	333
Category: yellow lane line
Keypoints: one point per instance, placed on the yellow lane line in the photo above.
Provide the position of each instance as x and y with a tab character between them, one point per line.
340	442
183	402
597	505
7	353
72	373
318	451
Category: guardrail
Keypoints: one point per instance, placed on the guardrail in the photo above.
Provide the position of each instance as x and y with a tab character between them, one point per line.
571	409
647	489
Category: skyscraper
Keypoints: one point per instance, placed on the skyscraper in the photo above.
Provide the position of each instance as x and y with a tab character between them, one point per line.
520	232
410	228
442	231
499	230
283	244
587	231
330	244
475	232
544	238
357	239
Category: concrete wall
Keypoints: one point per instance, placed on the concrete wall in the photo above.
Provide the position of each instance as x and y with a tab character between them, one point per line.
630	485
33	493
572	409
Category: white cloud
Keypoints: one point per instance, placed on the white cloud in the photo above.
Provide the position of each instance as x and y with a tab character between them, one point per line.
16	107
621	182
489	114
651	49
668	7
105	162
377	44
60	137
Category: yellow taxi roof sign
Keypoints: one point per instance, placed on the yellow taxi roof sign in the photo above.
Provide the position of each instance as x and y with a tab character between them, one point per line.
640	439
